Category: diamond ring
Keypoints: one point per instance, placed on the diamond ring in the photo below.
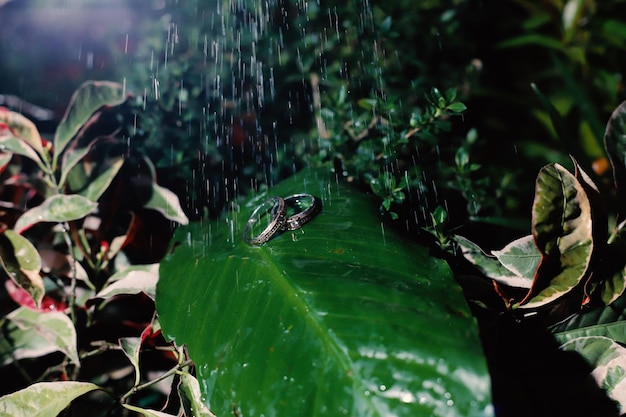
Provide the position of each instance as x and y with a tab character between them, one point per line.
273	209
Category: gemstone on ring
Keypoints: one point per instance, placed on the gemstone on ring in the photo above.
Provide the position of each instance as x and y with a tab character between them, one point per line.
306	207
274	207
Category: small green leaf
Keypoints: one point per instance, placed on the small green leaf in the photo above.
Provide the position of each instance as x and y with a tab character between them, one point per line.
555	117
166	202
89	97
131	347
521	257
58	208
532	39
133	280
563	232
609	362
191	398
147	413
367	103
615	144
43	399
457	107
21	262
55	328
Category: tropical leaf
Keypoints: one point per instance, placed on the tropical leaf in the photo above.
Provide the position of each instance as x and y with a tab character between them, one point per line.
72	157
562	228
89	97
609	362
490	266
340	317
99	185
190	397
21	262
521	257
608	321
133	280
131	346
166	202
615	144
43	399
34	334
13	144
23	129
58	208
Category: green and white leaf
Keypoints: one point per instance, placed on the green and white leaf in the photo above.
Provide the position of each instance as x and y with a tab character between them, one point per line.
101	183
90	96
562	228
191	398
24	130
131	347
57	208
166	202
490	265
13	144
34	334
132	280
21	262
43	399
608	359
521	257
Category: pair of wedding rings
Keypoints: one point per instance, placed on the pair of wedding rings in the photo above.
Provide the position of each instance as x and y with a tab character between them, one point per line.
289	213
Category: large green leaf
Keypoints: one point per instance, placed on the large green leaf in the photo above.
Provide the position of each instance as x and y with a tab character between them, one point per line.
562	228
44	399
341	317
615	144
89	97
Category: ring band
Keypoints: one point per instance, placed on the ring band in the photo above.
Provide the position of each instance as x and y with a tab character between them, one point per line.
276	207
301	217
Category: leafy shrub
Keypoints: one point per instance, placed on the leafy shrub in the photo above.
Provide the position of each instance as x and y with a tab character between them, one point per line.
67	261
570	264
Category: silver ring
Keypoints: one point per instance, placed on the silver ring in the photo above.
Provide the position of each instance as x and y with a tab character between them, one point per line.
274	206
302	215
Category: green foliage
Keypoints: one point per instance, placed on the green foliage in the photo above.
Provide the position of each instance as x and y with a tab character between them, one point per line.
62	265
568	254
363	323
570	264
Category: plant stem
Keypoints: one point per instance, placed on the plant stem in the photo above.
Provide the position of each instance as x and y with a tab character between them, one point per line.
167	374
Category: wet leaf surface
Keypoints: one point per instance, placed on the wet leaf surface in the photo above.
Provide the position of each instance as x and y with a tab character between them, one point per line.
340	317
